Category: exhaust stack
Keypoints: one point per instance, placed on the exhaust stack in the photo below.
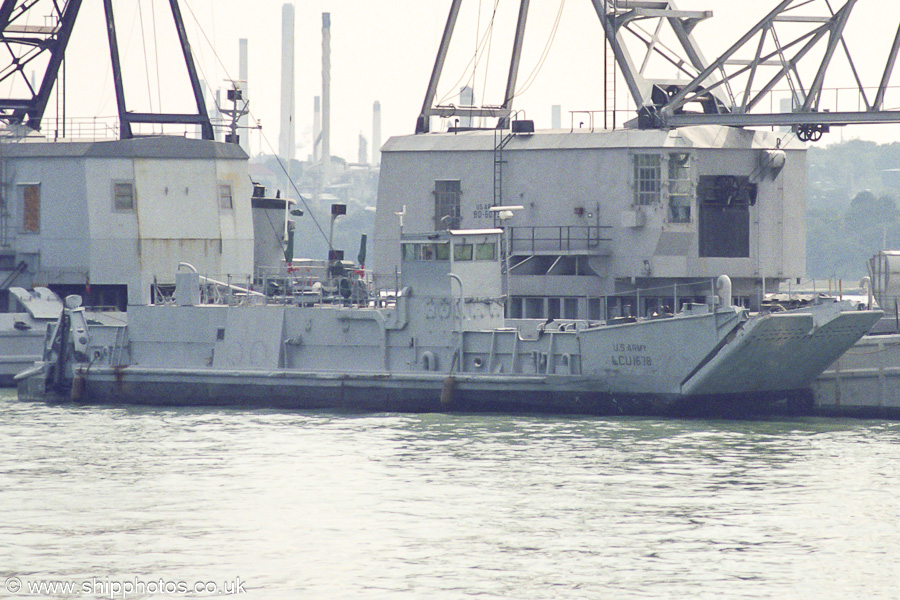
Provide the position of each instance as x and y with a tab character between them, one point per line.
376	133
286	143
317	129
326	98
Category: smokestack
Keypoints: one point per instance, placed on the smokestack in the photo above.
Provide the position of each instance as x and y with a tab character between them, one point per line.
317	129
556	118
243	71
466	98
363	154
326	98
376	133
286	144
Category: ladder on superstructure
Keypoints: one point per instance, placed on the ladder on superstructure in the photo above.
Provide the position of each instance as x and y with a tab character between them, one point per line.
501	139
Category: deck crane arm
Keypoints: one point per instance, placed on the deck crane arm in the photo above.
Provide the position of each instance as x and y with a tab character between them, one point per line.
793	47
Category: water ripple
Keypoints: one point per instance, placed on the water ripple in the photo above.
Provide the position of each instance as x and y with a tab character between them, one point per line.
326	505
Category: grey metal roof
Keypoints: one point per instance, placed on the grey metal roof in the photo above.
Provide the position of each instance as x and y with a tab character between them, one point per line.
705	136
141	147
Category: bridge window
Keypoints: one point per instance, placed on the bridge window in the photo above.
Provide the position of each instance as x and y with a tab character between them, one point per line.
553	310
646	179
462	252
442	251
486	251
446	204
538	307
570	308
534	308
425	252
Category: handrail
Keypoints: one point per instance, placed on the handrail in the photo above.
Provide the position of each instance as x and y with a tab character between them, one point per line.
565	239
232	287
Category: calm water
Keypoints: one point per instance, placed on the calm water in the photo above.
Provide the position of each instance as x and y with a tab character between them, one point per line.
322	505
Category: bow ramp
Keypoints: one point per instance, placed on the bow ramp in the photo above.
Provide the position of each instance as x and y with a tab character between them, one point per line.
781	351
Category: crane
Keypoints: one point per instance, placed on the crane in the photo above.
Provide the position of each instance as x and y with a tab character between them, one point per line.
26	43
792	46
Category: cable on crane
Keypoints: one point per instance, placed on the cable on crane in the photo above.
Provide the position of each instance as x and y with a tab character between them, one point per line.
472	61
140	11
532	77
490	46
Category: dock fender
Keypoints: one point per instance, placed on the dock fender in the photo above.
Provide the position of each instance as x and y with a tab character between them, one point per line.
77	391
447	389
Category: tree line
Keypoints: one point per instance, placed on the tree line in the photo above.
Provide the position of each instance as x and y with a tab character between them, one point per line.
851	210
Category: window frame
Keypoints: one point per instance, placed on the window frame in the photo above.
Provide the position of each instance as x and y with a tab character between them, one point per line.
679	187
24	211
442	251
481	249
646	178
447	195
463	252
223	185
117	207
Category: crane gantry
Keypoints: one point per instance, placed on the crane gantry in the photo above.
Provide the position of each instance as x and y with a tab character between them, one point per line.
31	46
729	90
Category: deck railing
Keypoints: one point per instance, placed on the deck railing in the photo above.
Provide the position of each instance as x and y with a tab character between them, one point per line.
557	238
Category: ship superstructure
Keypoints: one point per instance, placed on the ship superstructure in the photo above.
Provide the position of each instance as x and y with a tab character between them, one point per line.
631	216
605	214
103	219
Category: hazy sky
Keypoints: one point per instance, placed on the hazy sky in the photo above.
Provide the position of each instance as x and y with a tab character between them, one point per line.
384	50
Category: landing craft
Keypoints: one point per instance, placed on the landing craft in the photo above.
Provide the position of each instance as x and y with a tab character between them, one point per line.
399	356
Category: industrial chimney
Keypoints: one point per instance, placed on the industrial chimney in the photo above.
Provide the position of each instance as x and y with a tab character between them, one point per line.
363	154
376	133
317	129
326	98
286	145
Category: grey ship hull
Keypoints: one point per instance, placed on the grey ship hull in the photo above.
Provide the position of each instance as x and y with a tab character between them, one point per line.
716	363
255	389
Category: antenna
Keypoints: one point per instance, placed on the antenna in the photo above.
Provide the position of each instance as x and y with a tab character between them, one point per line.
239	109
